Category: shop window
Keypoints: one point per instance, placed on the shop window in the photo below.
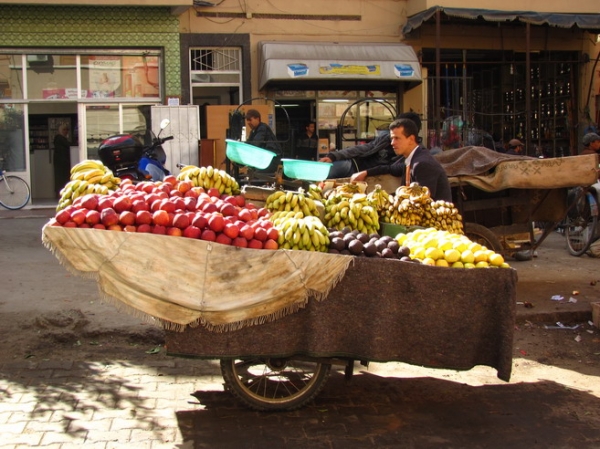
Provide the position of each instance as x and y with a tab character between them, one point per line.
51	77
11	77
12	142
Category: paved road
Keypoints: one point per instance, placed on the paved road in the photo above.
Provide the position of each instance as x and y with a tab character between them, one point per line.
109	393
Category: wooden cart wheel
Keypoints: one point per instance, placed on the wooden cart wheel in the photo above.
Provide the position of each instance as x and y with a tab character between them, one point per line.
274	384
483	236
581	224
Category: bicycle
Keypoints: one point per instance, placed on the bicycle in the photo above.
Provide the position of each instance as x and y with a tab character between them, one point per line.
581	222
14	191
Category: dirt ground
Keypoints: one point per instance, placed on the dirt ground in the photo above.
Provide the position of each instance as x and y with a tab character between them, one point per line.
47	313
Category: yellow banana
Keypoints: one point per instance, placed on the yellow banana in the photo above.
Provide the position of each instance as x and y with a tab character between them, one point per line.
210	171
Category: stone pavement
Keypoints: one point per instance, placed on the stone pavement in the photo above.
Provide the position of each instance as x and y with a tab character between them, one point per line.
145	399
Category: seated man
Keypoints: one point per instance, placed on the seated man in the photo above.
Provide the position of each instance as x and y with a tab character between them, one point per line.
414	163
354	159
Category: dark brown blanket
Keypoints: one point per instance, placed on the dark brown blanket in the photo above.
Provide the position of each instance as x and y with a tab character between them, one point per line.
470	160
386	310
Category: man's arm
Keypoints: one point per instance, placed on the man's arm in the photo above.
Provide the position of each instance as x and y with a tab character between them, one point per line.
357	151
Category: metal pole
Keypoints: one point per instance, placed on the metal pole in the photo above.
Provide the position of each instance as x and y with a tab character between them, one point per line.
527	90
438	78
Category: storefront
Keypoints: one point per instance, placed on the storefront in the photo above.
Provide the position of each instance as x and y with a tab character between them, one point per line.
47	83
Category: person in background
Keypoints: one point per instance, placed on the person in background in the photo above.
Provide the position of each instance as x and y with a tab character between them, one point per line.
62	158
591	144
423	168
358	158
515	146
308	143
261	135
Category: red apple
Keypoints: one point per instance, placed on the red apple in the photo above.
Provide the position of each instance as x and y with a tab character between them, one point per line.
109	217
263	212
273	234
216	222
89	201
247	232
175	232
229	199
122	203
179	204
175	193
105	202
92	217
84	225
130	228
228	210
240	242
213	192
70	224
271	244
171	179
260	233
167	205
127	218
159	229
181	221
192	232
223	239
184	186
208	235
245	215
62	216
255	244
231	230
190	202
143	217
161	217
209	207
115	227
240	200
191	193
155	205
200	221
144	228
98	226
138	205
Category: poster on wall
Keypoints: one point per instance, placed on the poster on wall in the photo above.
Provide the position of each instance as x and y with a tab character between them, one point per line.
105	75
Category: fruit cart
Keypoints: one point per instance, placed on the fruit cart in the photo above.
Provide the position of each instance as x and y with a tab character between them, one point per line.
503	197
279	320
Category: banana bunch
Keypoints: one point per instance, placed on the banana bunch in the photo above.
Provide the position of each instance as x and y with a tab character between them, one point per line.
290	201
210	177
355	211
300	232
413	206
88	176
382	201
315	192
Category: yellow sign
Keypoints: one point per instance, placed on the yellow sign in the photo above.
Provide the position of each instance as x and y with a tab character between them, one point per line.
343	69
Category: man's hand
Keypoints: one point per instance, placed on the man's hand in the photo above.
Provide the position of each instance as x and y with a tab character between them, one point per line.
360	176
325	159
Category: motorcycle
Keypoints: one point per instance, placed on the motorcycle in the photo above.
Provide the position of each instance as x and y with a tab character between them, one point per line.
139	157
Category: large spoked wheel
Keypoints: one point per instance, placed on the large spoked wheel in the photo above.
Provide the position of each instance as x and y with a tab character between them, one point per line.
274	384
482	235
580	224
14	192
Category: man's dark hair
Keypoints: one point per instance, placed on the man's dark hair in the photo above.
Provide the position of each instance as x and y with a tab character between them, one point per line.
410	127
411	116
253	113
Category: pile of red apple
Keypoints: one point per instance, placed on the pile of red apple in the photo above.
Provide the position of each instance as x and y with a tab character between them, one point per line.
175	208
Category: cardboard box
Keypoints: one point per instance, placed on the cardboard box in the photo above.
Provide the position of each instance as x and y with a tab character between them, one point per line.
596	313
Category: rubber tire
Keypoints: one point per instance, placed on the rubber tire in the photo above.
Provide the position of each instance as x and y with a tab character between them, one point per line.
577	244
484	236
237	381
20	195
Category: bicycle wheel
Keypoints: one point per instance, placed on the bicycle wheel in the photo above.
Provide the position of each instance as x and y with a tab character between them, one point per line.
14	192
580	225
274	384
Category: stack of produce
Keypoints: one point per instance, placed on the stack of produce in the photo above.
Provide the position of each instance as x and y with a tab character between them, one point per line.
382	201
300	232
354	210
445	249
289	201
315	192
355	243
88	176
412	206
210	177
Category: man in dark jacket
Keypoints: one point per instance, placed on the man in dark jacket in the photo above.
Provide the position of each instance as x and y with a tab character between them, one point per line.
423	167
354	159
261	135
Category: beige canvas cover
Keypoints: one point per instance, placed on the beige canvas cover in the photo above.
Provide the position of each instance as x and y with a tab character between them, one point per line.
179	281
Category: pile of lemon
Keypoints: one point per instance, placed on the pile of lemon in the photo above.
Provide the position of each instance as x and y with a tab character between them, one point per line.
431	246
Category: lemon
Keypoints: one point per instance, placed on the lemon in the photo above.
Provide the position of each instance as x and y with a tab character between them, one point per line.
441	263
480	256
445	244
505	265
458	264
496	260
469	265
428	261
474	247
430	242
460	245
434	253
451	255
482	264
467	257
